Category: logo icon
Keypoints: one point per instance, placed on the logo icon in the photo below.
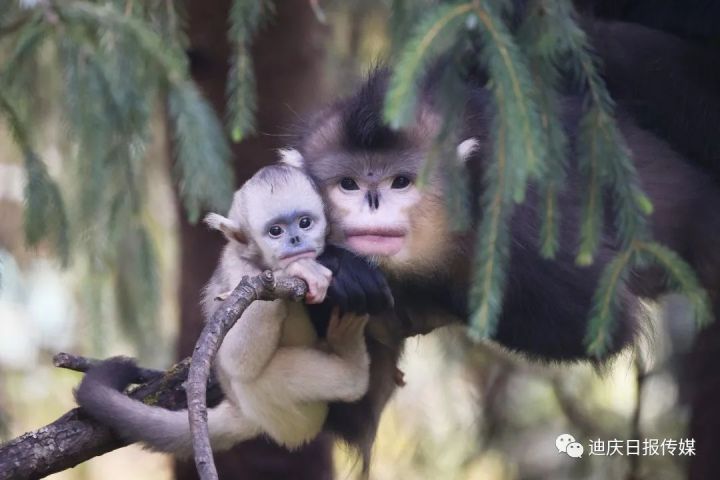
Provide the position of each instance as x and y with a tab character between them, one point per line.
562	441
566	443
575	450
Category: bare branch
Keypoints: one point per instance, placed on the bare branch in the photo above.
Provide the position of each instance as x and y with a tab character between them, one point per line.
75	437
261	287
83	364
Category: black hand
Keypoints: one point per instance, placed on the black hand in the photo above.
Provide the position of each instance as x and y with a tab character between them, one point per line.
357	286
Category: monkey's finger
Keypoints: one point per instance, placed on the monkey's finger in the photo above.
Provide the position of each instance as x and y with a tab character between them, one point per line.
376	292
313	294
337	295
324	271
356	298
379	296
334	319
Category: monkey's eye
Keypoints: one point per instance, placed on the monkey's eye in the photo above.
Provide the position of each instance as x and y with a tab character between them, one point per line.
275	231
305	222
348	183
401	181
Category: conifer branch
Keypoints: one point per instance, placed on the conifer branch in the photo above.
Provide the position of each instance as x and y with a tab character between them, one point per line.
492	250
437	27
607	299
680	277
604	156
261	287
537	37
506	64
45	211
246	16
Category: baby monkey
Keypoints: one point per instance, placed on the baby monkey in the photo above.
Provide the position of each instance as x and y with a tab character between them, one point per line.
276	376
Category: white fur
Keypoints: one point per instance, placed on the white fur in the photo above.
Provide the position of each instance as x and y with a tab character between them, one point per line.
290	156
275	378
225	225
465	148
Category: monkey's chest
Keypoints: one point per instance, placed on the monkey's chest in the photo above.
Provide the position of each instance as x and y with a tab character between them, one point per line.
298	330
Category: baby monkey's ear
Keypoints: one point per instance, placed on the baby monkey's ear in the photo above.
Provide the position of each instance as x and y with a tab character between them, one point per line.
290	156
230	229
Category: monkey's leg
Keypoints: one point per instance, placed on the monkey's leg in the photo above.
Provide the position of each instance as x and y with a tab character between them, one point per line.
299	374
307	374
252	341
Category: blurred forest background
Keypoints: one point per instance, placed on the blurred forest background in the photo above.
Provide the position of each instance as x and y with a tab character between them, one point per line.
467	412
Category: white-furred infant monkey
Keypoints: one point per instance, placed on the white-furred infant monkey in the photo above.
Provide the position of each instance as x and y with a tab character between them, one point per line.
276	379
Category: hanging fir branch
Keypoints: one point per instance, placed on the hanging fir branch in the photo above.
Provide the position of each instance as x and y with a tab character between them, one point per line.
492	250
198	136
524	70
246	16
45	211
539	39
679	277
114	66
438	27
603	154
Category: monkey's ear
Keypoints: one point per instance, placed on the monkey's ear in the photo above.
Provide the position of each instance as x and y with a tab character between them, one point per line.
290	156
230	229
466	148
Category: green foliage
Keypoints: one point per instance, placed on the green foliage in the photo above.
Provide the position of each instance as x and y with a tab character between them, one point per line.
45	217
245	18
539	38
118	61
198	135
609	295
438	27
529	145
492	250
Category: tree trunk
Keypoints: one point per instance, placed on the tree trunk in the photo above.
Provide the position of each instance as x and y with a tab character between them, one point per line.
289	57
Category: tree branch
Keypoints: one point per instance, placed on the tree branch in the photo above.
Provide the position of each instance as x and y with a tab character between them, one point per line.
75	437
261	287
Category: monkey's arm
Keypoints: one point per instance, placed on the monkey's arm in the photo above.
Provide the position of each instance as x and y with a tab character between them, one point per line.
305	374
356	286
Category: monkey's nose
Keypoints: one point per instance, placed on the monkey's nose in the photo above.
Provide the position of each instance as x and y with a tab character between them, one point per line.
295	239
373	199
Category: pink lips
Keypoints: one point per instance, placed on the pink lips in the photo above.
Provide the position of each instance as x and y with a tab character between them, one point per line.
375	242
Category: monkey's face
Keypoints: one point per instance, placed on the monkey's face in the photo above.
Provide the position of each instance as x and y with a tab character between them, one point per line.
286	221
373	210
377	209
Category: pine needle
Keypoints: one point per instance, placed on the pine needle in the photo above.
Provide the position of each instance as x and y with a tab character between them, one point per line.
438	27
202	170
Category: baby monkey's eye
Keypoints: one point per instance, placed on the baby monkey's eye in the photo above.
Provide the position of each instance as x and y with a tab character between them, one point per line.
348	183
401	181
275	231
305	222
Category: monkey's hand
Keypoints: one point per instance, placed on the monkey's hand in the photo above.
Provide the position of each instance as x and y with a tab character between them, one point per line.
314	274
345	334
357	286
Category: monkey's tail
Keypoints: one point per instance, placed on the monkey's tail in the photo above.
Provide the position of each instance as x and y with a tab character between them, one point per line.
100	395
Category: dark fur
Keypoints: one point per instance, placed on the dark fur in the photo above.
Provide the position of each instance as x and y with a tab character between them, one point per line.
547	302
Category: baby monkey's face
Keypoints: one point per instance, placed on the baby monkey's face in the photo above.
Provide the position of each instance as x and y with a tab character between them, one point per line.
295	235
288	222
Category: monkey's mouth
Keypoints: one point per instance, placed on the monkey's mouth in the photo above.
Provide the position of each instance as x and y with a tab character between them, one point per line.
383	242
291	257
